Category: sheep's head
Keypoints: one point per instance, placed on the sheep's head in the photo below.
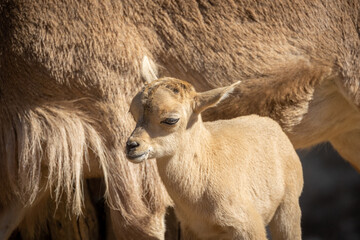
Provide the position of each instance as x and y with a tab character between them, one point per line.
164	112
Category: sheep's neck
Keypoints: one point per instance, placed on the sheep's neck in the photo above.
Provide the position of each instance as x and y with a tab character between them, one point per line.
185	175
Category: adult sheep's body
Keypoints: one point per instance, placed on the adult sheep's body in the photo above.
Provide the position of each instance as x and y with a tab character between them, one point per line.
68	70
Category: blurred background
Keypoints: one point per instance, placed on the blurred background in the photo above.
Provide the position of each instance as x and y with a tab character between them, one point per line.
330	201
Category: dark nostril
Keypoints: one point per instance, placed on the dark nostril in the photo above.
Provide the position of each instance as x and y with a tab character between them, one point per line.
131	144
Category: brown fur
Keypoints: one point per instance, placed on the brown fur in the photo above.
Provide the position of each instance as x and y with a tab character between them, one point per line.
228	178
68	65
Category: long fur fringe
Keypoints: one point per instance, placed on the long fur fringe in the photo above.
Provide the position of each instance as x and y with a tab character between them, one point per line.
47	148
56	136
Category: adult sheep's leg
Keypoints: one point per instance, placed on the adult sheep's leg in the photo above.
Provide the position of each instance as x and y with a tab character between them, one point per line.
10	217
63	226
137	199
286	223
348	146
348	143
141	214
151	227
187	234
15	215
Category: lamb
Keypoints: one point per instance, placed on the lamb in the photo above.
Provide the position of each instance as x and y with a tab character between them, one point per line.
227	178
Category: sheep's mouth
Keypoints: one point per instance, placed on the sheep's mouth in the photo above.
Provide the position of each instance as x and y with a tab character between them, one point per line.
137	157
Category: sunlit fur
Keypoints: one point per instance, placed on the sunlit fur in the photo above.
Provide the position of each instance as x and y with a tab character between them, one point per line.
228	178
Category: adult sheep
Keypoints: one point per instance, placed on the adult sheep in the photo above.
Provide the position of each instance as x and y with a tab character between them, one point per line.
68	70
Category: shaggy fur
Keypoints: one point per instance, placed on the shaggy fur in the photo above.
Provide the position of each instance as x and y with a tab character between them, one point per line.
67	65
228	178
64	102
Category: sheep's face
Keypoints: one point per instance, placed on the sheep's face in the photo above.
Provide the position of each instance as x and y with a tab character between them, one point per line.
165	113
162	112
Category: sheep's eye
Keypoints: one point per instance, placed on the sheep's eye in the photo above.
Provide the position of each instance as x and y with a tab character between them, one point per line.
170	121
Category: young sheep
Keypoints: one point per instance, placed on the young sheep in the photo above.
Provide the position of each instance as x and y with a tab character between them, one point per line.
228	179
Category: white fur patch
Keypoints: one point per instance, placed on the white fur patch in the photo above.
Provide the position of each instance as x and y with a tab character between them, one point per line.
229	90
148	69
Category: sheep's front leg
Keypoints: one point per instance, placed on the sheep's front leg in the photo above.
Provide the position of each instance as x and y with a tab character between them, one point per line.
286	223
348	146
10	218
247	225
187	234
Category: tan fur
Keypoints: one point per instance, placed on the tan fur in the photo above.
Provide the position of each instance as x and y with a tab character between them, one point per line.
228	178
66	112
67	65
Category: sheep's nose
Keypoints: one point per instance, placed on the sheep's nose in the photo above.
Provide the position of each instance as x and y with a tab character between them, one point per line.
131	144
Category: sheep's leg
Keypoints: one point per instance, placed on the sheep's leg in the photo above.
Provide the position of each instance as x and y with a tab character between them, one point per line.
348	146
285	224
152	229
255	230
187	234
10	218
252	227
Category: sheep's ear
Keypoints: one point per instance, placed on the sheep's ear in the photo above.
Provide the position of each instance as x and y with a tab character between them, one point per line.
210	98
148	69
